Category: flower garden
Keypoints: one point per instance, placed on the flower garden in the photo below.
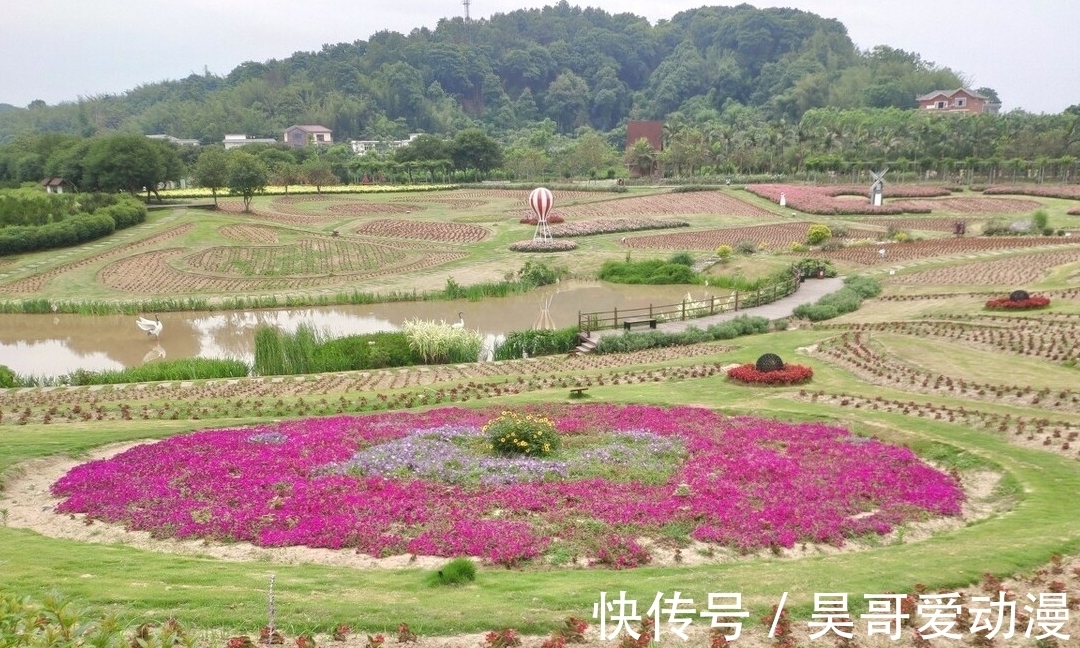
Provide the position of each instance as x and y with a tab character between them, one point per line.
427	483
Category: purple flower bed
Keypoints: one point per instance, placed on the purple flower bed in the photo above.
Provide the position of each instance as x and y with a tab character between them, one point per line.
378	484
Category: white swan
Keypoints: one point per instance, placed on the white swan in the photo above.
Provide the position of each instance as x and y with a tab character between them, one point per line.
151	326
460	323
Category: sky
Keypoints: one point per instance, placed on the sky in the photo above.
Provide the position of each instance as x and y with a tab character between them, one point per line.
61	50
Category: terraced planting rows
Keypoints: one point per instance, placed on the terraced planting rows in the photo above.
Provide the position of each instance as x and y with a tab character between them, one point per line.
1018	270
968	205
942	247
349	392
922	224
154	273
250	233
37	282
852	351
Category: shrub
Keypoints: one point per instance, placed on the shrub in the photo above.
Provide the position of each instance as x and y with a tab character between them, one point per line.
682	258
797	247
620	552
7	377
651	271
818	233
456	572
791	374
362	352
724	252
746	247
538	273
536	342
814	267
866	287
1039	220
517	434
1019	295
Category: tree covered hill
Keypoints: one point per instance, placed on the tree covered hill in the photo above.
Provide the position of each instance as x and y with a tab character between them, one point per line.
577	67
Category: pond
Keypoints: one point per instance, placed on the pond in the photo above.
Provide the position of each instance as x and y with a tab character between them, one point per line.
54	345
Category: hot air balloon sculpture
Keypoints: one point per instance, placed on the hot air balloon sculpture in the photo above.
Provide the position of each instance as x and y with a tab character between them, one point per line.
541	200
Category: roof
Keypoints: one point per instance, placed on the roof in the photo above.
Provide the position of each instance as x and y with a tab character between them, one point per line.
54	182
950	93
310	128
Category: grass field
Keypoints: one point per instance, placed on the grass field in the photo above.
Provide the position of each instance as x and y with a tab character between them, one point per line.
1028	535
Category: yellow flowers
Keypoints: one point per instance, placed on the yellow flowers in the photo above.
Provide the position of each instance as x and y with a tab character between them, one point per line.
515	433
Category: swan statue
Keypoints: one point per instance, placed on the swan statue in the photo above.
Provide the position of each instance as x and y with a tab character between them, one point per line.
151	326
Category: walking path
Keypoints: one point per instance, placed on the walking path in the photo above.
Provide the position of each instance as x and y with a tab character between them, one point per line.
809	292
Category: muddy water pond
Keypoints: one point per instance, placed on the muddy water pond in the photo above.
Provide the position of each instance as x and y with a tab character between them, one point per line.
54	345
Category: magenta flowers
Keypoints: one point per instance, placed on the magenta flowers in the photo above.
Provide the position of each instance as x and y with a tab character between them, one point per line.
374	484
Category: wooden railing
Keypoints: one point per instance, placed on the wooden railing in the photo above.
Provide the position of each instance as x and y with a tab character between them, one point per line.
686	309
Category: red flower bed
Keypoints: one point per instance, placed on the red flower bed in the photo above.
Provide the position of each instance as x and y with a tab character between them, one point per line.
791	374
1006	303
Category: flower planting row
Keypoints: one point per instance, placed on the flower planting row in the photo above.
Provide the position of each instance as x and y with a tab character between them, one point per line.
443	200
37	282
929	248
1053	340
1042	433
772	237
669	204
1071	192
921	224
378	484
968	205
851	352
1033	302
337	393
424	230
614	226
819	200
533	245
1012	271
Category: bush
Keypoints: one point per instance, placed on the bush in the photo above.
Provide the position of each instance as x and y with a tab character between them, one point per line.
456	572
639	341
818	233
813	267
516	434
652	271
865	287
537	273
537	343
363	352
746	247
724	252
7	377
682	258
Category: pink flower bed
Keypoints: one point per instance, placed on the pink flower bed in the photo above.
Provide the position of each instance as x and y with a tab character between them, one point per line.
742	482
826	200
1006	303
791	374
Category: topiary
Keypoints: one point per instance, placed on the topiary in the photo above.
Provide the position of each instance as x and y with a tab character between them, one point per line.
1019	295
769	362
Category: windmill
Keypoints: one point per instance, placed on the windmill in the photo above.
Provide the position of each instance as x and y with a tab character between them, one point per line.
878	186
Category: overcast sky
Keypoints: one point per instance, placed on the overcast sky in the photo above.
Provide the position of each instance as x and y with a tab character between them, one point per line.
60	50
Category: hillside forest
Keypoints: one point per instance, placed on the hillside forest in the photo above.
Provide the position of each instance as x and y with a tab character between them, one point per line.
741	91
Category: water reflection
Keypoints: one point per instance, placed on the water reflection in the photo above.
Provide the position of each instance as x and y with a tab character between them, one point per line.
53	345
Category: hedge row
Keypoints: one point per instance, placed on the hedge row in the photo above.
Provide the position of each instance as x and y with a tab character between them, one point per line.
73	230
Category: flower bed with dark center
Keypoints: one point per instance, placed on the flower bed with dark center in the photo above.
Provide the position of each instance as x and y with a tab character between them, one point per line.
791	374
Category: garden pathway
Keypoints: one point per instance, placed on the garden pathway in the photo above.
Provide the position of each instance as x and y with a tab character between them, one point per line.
809	292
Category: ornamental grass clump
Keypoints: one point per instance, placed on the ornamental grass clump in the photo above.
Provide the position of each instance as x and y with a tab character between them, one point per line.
456	572
441	343
525	434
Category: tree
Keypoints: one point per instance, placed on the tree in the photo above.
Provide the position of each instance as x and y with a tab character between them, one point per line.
129	163
641	158
247	175
212	171
472	148
317	171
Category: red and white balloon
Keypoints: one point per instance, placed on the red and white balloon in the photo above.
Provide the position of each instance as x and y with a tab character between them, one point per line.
541	201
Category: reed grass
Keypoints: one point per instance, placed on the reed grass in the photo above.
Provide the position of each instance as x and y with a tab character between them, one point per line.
165	370
441	343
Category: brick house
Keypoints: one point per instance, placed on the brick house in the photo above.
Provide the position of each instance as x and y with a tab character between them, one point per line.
960	100
302	135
